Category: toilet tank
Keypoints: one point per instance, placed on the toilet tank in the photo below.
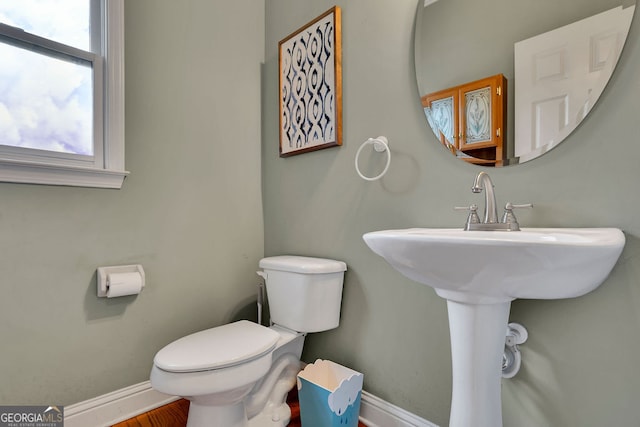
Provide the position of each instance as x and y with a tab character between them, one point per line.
304	293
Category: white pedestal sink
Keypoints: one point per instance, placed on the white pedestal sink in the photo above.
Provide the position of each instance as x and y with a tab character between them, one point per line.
479	273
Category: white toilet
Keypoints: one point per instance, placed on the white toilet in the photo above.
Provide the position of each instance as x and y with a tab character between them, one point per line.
238	375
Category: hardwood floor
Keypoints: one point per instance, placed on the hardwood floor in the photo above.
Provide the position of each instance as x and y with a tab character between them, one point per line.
175	414
172	415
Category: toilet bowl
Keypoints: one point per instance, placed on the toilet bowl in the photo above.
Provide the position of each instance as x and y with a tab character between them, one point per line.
238	375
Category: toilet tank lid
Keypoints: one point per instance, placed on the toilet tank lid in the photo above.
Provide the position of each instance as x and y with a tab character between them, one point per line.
302	264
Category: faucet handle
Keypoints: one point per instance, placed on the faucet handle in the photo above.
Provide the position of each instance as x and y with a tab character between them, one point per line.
510	205
509	218
473	217
470	208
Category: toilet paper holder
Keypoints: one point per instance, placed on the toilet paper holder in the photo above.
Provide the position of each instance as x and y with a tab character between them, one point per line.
104	272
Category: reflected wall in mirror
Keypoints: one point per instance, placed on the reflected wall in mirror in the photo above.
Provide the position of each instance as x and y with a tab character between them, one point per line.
556	58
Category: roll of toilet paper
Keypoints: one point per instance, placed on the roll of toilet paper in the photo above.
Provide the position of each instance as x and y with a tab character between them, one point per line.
121	284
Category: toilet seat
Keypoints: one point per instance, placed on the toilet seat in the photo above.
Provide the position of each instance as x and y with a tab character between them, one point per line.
217	348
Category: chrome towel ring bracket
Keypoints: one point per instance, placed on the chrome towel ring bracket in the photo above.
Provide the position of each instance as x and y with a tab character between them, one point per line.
380	145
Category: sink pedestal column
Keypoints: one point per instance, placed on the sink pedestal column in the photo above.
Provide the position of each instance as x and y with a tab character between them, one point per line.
477	344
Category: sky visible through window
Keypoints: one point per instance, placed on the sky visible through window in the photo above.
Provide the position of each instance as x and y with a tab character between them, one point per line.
46	103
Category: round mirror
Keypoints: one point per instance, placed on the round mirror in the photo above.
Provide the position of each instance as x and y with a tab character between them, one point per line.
504	82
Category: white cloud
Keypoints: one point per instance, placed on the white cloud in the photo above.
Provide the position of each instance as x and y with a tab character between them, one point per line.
46	103
346	394
8	128
66	21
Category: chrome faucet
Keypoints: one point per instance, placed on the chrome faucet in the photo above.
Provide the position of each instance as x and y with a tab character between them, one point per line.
490	221
483	181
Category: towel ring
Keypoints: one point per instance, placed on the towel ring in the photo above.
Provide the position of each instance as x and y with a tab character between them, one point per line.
380	144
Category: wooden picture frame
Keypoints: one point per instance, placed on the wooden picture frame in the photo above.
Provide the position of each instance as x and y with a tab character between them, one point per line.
310	82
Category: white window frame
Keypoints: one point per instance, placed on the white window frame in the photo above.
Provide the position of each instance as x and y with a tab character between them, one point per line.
105	169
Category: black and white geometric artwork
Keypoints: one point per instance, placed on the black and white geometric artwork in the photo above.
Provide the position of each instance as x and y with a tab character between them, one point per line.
310	86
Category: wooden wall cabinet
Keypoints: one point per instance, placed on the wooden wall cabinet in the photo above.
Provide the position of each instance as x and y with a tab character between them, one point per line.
471	119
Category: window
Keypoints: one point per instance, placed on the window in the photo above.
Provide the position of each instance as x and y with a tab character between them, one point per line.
62	92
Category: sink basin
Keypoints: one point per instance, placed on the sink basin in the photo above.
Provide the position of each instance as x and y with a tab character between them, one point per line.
479	273
498	266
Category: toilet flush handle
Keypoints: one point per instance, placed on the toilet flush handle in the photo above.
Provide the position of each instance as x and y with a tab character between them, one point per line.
260	300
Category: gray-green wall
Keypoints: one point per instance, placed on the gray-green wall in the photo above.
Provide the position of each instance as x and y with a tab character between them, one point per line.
190	213
580	363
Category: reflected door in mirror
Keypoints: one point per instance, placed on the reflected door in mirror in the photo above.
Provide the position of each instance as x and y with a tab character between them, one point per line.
559	73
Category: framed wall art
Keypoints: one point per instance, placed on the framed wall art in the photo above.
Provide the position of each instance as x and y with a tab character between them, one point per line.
310	77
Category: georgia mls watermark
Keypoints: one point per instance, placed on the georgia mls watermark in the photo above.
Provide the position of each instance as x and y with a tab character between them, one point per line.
31	416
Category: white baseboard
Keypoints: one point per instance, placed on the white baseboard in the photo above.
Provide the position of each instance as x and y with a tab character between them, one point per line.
114	407
375	412
120	405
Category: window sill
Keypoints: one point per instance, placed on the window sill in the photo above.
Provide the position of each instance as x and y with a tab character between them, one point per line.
46	174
